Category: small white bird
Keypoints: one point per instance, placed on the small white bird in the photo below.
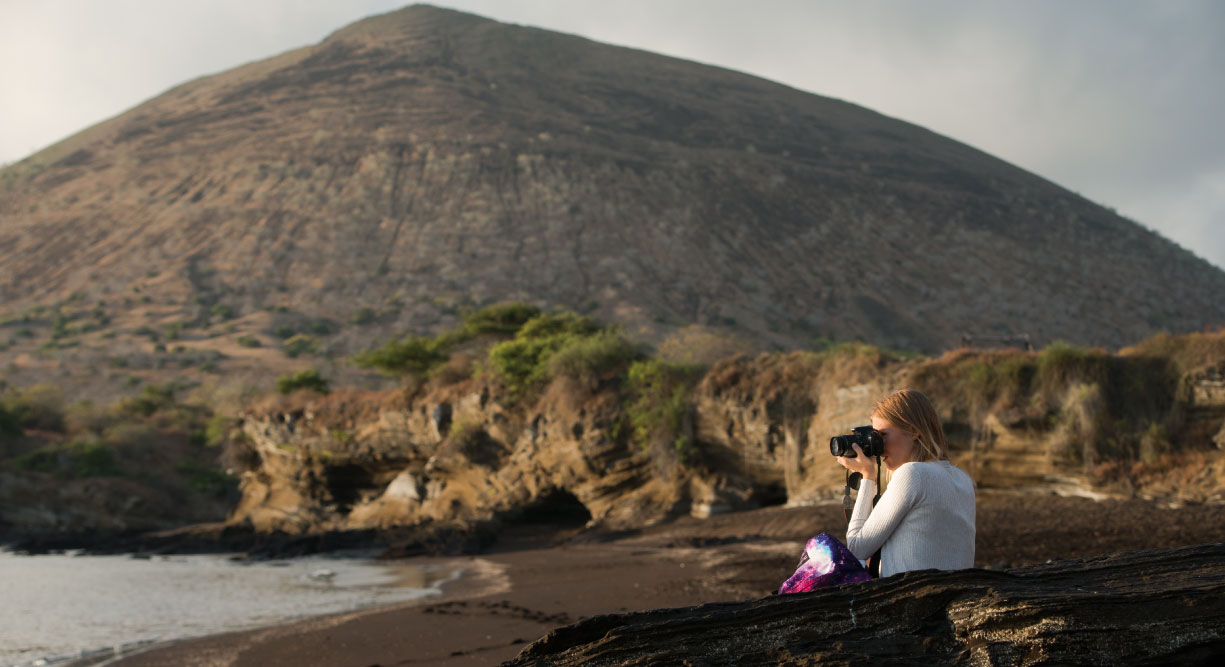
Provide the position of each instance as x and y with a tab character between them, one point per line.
322	574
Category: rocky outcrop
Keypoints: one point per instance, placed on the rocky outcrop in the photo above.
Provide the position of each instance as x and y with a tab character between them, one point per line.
465	453
1205	397
772	417
1147	607
457	454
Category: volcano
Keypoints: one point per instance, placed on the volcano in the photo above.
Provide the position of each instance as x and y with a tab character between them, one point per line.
418	163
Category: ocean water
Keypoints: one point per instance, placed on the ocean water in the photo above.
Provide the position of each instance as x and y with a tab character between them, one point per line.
57	608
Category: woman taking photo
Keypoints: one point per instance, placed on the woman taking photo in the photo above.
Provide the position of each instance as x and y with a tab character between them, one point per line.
925	518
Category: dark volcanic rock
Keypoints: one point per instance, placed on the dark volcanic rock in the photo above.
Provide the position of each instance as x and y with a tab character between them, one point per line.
1144	607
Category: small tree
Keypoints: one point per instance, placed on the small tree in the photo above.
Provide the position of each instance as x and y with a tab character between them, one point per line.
301	344
307	379
413	355
8	422
363	316
502	318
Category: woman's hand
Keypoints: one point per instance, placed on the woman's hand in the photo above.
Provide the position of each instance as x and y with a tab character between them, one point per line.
860	464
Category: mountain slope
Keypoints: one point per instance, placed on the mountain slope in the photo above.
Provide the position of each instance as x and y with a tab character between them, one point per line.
422	161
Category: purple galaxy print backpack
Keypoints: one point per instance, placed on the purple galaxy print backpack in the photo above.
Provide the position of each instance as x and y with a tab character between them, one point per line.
825	562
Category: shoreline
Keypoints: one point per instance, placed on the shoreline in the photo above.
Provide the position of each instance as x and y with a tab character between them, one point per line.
523	588
337	586
470	578
502	602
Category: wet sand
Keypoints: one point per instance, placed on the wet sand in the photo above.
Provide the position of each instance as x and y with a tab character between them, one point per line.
535	578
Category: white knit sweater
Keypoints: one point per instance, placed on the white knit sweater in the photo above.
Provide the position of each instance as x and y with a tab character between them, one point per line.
925	519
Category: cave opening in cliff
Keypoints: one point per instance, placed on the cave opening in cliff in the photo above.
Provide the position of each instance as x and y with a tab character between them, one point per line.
769	495
557	507
347	484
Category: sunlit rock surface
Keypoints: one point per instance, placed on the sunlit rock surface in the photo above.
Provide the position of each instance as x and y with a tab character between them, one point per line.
1147	607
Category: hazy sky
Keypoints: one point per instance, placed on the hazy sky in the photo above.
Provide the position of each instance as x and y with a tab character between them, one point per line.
1121	101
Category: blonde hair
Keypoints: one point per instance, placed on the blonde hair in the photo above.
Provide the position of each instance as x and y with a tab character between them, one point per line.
913	412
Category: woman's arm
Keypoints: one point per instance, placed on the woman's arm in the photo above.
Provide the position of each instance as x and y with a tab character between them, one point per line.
871	527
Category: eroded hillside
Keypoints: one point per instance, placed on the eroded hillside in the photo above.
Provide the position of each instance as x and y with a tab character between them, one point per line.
419	163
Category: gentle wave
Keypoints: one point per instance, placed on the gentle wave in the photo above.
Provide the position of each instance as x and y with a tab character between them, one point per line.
65	608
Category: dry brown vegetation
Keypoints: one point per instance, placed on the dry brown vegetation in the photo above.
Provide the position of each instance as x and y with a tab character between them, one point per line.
331	197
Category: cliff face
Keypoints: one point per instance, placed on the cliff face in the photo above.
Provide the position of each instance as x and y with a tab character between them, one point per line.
463	452
359	461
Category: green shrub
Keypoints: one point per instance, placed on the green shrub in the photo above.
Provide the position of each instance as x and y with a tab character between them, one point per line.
222	311
39	407
205	478
60	327
9	424
76	459
284	331
518	362
217	430
656	407
502	318
588	358
307	379
132	439
24	318
524	362
363	316
248	341
981	381
150	399
549	326
321	327
301	344
413	355
41	460
1061	365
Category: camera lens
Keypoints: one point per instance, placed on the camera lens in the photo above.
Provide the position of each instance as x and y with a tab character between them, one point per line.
840	445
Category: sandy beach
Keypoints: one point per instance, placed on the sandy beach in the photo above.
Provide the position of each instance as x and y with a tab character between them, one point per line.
539	577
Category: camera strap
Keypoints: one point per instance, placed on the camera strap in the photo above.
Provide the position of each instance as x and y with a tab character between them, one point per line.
848	506
852	482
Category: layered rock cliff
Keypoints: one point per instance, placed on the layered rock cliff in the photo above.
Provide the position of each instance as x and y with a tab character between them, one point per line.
465	452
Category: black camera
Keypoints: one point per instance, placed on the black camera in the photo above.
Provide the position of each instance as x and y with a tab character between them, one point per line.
868	439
